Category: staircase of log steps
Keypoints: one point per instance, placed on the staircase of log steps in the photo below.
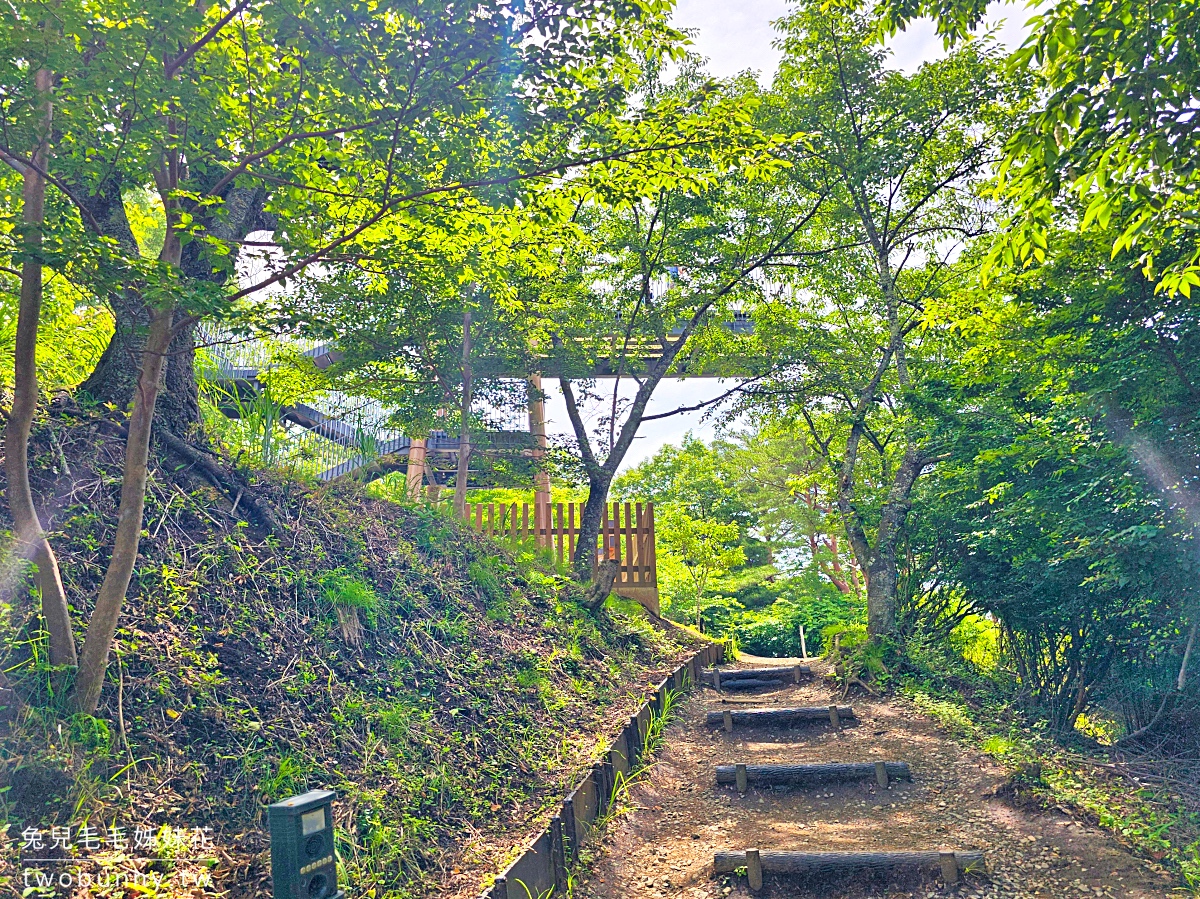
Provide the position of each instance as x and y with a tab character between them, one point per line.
951	863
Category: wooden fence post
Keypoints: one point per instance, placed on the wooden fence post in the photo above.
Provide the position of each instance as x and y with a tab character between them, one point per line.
570	834
558	855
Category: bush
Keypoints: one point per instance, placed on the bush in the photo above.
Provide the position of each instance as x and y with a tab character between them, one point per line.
806	600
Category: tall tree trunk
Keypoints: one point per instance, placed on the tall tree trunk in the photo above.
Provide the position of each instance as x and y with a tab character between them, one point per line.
600	476
590	521
115	377
879	562
464	432
881	594
28	528
102	626
103	623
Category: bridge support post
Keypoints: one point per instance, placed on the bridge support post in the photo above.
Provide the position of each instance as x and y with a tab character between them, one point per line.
414	478
541	478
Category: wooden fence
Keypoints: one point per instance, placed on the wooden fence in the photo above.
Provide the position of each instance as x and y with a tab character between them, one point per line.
542	869
626	534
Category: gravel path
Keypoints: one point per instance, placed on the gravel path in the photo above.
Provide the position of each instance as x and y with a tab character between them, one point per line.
663	846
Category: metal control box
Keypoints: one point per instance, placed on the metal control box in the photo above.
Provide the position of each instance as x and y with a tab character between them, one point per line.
303	864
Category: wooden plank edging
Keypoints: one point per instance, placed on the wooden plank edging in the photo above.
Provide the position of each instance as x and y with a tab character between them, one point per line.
541	870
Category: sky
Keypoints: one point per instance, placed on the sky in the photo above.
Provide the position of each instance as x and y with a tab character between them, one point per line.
736	36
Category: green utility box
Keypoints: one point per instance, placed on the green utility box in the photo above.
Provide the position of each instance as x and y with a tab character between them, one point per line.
303	865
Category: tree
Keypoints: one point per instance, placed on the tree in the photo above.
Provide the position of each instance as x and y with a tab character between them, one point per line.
375	112
706	548
693	477
898	160
785	483
1114	127
1067	507
661	265
31	538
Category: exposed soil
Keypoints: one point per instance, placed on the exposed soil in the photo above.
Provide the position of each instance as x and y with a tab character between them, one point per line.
663	847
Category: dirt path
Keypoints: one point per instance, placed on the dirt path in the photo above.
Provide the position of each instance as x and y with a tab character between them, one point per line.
664	846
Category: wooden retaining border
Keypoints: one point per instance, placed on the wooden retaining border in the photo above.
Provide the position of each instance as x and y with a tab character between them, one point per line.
818	864
780	717
812	775
751	678
541	870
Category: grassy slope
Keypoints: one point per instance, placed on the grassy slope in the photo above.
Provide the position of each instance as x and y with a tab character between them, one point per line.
476	696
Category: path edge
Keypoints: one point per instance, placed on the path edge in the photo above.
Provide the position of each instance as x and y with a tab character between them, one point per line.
541	870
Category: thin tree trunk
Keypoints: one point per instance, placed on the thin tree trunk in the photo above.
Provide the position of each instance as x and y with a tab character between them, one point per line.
103	623
102	626
464	433
28	529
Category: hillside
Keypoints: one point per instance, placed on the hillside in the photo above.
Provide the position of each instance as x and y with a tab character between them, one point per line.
445	687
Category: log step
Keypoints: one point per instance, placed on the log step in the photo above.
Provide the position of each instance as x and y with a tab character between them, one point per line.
813	775
817	864
750	678
772	717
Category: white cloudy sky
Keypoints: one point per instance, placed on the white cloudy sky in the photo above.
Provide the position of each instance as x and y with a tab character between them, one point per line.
736	36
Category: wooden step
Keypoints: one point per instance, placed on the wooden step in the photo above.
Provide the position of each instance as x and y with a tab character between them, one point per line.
812	775
750	678
781	717
825	864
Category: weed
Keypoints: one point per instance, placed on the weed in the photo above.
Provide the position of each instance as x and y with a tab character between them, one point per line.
343	590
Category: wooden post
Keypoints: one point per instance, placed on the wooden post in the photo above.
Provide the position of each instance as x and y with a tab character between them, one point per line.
796	673
881	775
570	838
728	721
754	869
803	645
414	477
537	428
717	679
602	789
949	864
464	430
835	717
500	888
558	855
740	778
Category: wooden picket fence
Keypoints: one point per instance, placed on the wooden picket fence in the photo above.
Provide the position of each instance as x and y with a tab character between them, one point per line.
626	535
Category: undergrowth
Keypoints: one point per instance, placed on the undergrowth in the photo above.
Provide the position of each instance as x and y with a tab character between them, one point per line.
1147	817
470	693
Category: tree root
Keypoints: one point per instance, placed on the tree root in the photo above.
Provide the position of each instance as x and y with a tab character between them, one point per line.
606	573
239	495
